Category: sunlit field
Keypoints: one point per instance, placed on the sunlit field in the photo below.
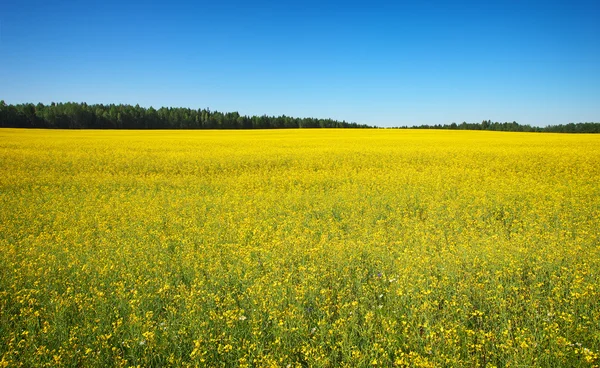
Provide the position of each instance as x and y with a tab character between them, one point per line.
299	248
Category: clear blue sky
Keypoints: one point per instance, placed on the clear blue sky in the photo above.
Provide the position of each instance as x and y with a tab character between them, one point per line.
373	62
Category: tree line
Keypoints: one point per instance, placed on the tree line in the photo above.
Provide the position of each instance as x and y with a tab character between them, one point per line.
515	127
72	115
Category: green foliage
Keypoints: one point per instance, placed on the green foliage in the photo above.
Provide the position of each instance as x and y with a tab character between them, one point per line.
83	116
72	115
516	127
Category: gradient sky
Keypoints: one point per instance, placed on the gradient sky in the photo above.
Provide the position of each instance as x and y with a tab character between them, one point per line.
374	62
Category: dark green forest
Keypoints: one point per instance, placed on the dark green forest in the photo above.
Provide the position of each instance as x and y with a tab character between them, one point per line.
83	116
72	115
515	127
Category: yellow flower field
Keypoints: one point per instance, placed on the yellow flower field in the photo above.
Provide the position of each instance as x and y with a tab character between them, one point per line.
299	248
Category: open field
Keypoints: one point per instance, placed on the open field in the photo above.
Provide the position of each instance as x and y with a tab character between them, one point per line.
318	248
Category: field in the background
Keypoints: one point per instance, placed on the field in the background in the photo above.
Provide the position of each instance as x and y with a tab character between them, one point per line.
299	248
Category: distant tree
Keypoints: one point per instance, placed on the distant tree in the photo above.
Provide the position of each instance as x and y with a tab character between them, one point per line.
83	116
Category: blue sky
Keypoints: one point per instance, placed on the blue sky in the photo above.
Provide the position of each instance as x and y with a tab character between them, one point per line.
373	62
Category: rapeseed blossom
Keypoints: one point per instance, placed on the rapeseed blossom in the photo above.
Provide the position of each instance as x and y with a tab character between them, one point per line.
294	248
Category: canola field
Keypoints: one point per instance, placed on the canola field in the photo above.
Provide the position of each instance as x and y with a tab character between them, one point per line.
299	248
